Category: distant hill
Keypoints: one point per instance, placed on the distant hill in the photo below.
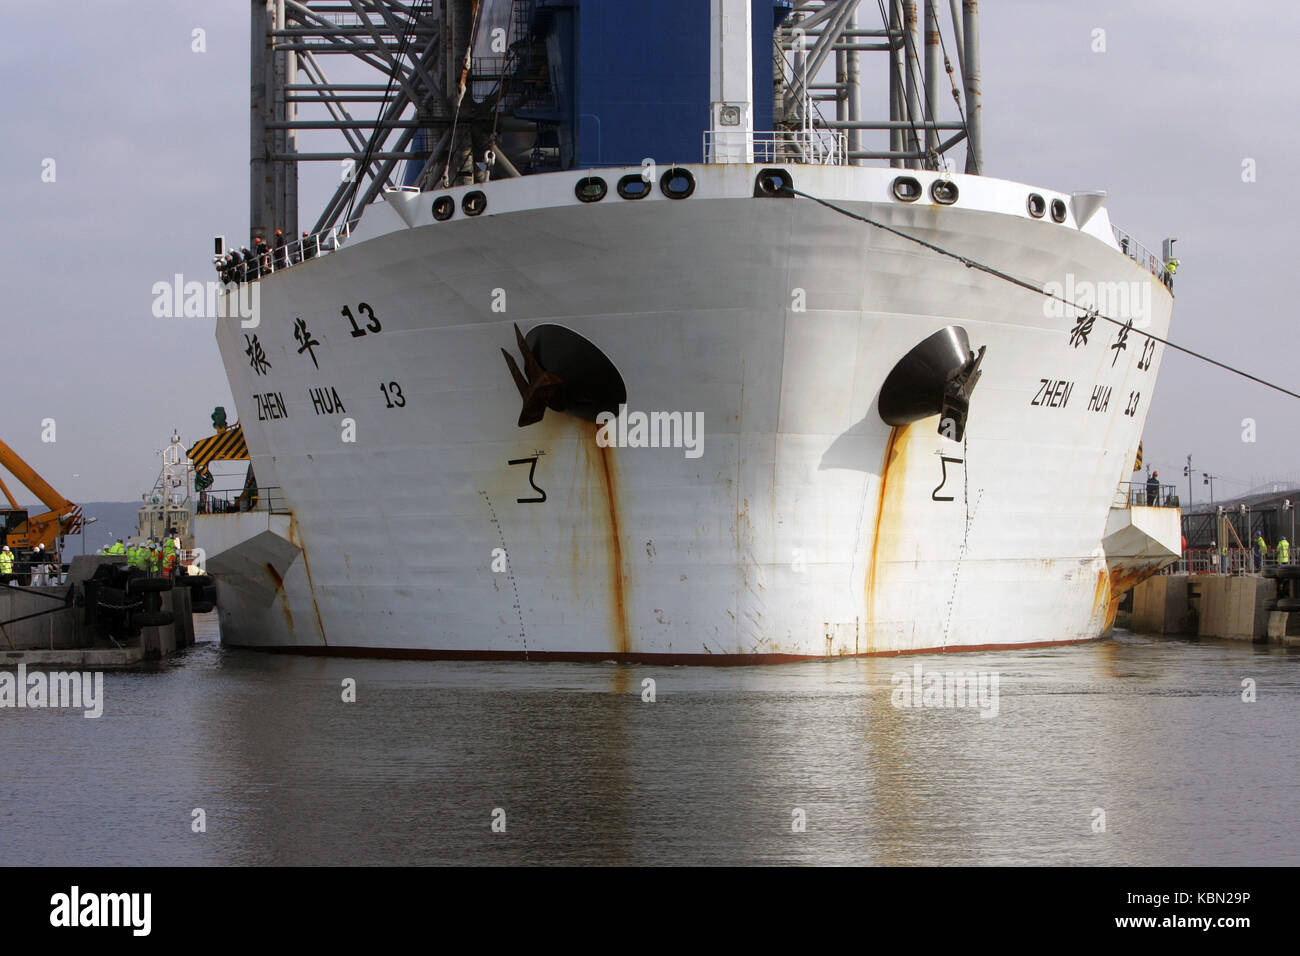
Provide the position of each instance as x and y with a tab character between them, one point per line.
114	519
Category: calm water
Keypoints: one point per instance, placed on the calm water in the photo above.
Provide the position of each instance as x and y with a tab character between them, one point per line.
1153	732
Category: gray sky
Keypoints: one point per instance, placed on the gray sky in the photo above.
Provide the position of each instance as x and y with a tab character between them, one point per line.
150	142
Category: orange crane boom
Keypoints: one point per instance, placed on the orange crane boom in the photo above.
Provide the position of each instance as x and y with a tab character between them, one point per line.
16	527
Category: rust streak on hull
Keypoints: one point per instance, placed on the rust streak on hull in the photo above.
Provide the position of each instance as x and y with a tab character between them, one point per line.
280	593
892	472
295	536
607	468
1101	594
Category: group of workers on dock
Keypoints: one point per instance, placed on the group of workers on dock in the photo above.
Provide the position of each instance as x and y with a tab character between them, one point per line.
37	567
245	265
154	557
40	567
1221	559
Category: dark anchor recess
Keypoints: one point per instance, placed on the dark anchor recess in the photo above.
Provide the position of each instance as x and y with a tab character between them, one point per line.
566	373
935	378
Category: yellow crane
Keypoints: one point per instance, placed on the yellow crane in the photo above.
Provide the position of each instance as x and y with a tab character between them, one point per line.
22	531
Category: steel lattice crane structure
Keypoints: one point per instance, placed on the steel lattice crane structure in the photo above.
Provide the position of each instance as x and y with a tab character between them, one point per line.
404	42
918	67
444	99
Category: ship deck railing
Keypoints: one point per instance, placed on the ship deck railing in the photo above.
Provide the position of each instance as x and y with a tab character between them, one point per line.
1138	494
817	147
229	501
1140	254
302	249
1232	561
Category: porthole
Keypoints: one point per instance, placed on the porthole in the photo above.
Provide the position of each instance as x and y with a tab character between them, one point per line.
677	183
943	191
632	186
1036	205
1058	210
474	202
906	189
591	189
444	207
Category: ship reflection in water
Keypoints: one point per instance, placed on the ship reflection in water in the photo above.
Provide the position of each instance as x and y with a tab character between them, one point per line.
1154	734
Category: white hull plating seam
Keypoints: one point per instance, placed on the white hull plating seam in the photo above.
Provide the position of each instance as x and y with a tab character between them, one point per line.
807	527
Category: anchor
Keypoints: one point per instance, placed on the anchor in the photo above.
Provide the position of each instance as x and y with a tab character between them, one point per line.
956	396
536	386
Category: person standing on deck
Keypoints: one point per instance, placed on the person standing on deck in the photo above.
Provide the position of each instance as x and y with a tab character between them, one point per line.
1261	549
1171	268
37	560
281	252
6	565
1283	551
1153	489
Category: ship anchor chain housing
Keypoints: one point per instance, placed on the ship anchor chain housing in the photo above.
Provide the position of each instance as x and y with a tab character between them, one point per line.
935	378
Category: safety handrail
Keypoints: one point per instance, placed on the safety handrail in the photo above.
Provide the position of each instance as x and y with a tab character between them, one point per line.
275	258
268	498
819	147
1139	253
1138	494
1224	561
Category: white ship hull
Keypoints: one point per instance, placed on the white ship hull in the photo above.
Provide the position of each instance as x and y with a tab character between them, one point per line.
807	527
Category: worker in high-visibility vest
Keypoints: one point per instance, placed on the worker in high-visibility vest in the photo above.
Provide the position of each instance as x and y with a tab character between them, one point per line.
1261	546
1283	551
152	557
6	564
168	562
117	548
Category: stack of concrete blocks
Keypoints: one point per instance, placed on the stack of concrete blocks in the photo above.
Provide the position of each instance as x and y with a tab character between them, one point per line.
1230	607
